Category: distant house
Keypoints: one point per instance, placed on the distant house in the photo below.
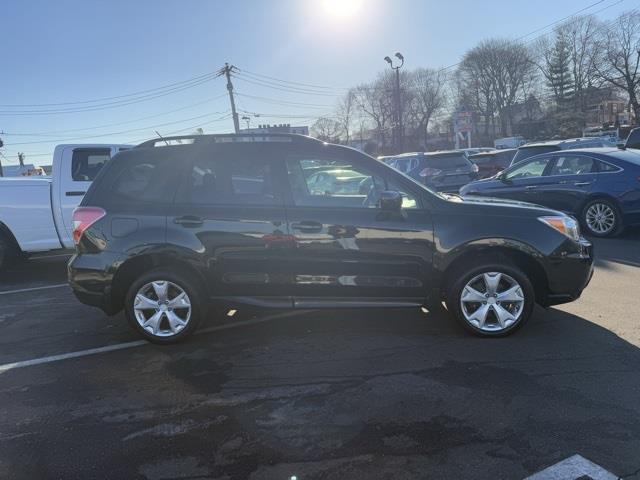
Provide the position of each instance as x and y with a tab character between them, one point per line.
605	106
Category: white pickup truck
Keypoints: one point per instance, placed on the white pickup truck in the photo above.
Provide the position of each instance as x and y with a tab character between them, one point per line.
36	212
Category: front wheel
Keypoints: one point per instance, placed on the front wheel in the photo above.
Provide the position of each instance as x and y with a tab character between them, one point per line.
601	218
491	299
164	307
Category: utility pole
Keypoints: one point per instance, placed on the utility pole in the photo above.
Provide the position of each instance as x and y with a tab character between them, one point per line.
227	71
399	129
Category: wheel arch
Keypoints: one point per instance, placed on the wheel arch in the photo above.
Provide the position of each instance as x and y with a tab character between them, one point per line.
518	253
132	268
7	234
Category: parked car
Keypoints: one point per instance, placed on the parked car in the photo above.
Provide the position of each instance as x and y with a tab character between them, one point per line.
509	142
492	162
166	230
475	150
35	212
443	171
531	149
599	186
633	140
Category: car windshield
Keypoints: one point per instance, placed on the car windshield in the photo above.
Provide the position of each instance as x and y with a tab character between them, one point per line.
525	152
445	162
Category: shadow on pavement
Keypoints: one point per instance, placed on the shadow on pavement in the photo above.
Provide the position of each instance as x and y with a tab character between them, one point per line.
334	394
624	249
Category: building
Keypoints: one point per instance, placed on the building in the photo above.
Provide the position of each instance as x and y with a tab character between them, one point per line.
282	128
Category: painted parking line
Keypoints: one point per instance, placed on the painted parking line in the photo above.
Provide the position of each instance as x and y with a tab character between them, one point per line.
33	289
137	343
574	468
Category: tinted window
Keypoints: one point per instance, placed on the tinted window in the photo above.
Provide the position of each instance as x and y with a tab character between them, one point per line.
443	162
145	179
534	168
525	152
572	165
606	167
335	183
87	162
246	181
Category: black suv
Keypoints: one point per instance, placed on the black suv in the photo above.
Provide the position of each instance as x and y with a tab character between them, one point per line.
168	229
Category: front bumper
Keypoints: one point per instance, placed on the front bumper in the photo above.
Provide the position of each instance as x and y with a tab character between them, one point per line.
569	271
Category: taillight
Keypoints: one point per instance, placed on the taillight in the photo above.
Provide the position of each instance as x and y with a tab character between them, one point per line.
83	218
430	172
475	168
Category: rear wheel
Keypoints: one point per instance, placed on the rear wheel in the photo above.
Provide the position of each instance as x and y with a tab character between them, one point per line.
491	299
9	255
601	218
164	307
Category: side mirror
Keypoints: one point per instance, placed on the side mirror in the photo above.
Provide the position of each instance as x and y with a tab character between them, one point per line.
391	201
621	145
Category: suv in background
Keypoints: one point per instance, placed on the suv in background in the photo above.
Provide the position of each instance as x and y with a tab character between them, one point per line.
493	162
444	171
531	149
167	229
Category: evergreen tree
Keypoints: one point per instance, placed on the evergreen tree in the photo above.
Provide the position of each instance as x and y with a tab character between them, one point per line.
559	77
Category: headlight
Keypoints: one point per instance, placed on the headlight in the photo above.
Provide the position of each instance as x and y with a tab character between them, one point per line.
565	225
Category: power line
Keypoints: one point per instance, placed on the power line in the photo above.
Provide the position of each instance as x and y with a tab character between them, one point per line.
134	94
71	131
291	82
288	90
275	101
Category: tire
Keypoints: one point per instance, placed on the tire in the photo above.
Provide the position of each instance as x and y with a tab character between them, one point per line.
608	210
155	318
8	254
475	276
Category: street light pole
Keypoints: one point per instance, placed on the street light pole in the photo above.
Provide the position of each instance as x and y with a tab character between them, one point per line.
399	128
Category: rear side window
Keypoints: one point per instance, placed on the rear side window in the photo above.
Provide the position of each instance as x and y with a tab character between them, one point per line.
87	162
145	179
572	165
446	161
606	167
244	181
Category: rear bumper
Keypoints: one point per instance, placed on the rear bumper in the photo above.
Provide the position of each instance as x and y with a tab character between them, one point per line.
569	271
90	277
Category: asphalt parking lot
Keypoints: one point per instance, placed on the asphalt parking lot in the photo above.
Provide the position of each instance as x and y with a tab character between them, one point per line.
319	395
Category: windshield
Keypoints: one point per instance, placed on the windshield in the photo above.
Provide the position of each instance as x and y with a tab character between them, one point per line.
525	152
445	162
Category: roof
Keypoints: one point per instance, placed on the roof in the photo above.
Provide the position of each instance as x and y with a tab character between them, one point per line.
563	143
492	153
628	155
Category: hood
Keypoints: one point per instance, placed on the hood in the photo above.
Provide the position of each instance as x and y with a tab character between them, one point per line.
501	202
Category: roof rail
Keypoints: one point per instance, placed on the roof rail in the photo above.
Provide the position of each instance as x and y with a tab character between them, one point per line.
226	138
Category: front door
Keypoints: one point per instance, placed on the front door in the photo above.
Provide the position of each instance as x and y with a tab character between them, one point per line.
345	247
523	181
230	212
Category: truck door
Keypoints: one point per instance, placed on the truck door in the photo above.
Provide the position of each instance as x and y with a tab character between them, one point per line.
78	166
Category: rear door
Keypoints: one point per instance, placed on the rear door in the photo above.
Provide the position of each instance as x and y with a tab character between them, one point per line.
346	249
230	212
570	179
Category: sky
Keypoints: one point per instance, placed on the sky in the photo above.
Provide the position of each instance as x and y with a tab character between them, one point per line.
146	53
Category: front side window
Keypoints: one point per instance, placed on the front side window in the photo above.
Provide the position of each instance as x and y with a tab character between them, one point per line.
572	165
337	183
245	181
534	168
87	162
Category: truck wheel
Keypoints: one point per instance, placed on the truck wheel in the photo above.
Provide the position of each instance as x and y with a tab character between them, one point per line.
491	299
164	307
8	254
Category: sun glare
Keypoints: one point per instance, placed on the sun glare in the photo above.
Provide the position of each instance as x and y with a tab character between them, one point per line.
342	8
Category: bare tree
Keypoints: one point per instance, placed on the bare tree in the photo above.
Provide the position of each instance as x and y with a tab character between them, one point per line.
345	113
581	35
327	130
429	97
376	104
618	56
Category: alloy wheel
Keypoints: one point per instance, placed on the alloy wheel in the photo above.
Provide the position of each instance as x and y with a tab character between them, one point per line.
600	218
162	308
492	302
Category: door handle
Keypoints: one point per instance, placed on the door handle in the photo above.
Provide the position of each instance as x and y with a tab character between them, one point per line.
562	182
307	226
74	194
189	221
582	184
530	187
